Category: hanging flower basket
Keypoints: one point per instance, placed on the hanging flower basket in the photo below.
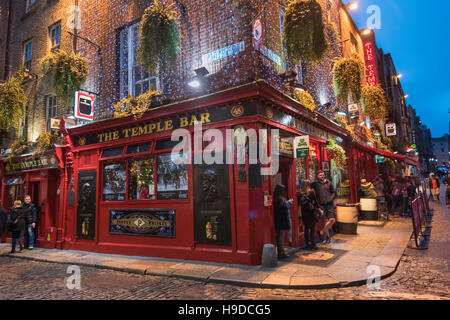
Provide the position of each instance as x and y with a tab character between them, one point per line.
305	99
337	153
44	143
303	32
159	38
348	74
374	102
17	148
136	107
69	72
12	102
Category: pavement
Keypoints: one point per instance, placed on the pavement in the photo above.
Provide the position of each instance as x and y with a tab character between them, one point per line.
344	262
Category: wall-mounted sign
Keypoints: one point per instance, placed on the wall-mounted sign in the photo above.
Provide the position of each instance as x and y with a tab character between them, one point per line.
143	222
258	33
41	162
379	159
371	61
391	129
84	106
353	110
301	146
221	53
55	123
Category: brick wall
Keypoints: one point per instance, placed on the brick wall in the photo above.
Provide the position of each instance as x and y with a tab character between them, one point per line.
4	15
34	26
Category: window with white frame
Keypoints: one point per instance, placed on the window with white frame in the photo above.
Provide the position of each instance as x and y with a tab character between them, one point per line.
51	108
55	35
29	4
27	54
133	81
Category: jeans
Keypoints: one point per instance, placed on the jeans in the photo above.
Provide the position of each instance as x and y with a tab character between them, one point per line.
16	237
29	236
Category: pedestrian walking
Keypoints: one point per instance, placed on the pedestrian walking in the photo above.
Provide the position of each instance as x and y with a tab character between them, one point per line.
17	225
326	194
31	222
434	186
281	217
447	192
310	213
397	195
409	194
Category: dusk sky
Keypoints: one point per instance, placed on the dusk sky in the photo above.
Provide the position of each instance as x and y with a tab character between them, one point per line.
416	33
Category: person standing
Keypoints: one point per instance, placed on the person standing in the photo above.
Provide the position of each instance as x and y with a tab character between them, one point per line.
17	225
3	219
281	217
434	187
309	206
31	222
447	192
326	194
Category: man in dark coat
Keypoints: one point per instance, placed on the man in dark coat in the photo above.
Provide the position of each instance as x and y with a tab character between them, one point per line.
3	217
325	197
31	222
17	225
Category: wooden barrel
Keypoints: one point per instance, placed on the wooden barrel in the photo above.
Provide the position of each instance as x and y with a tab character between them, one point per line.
347	218
369	209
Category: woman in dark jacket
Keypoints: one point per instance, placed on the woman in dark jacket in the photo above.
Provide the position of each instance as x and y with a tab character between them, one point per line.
281	217
17	226
308	203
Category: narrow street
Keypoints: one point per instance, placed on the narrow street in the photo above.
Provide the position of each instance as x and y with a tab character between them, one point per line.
421	274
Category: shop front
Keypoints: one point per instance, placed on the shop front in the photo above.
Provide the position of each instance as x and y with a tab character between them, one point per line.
39	177
128	192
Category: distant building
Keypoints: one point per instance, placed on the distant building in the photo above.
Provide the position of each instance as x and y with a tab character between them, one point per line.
441	150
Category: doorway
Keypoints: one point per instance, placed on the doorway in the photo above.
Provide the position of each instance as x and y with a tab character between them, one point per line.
34	193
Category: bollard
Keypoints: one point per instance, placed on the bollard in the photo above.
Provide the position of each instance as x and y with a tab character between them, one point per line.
269	256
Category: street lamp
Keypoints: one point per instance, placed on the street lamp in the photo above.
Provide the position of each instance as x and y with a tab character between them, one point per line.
352	6
198	80
405	96
366	32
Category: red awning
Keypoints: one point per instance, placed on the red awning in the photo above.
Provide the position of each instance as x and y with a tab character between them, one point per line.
381	152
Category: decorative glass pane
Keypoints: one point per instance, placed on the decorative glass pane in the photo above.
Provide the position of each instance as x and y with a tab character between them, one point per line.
141	180
112	153
114	181
139	148
172	179
300	166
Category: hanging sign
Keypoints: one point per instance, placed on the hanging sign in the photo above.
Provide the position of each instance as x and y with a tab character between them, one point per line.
353	110
379	159
258	33
391	129
84	106
301	146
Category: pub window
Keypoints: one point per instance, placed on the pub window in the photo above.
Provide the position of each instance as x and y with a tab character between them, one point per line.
172	178
139	148
114	181
27	54
51	108
55	35
29	5
141	179
166	144
133	80
112	152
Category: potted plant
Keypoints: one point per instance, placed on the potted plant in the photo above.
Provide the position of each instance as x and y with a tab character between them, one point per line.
348	74
374	102
69	72
136	107
303	32
159	38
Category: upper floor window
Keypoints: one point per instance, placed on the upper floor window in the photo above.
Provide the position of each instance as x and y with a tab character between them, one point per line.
29	5
51	108
133	80
55	35
27	54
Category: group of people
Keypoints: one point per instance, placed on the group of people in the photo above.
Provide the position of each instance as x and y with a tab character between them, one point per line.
21	221
435	188
316	201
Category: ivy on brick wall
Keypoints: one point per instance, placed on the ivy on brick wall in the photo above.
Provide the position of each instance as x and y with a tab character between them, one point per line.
12	102
44	143
159	38
303	32
69	72
348	75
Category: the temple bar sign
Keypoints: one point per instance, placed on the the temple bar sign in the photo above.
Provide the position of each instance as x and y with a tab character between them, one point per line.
84	106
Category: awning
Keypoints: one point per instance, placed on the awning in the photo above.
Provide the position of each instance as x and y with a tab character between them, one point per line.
380	152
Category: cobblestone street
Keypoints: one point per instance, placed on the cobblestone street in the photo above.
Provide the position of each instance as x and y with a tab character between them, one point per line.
421	274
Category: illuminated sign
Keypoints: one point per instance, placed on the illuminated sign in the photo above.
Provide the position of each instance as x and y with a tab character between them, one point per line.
84	106
391	129
371	62
258	33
